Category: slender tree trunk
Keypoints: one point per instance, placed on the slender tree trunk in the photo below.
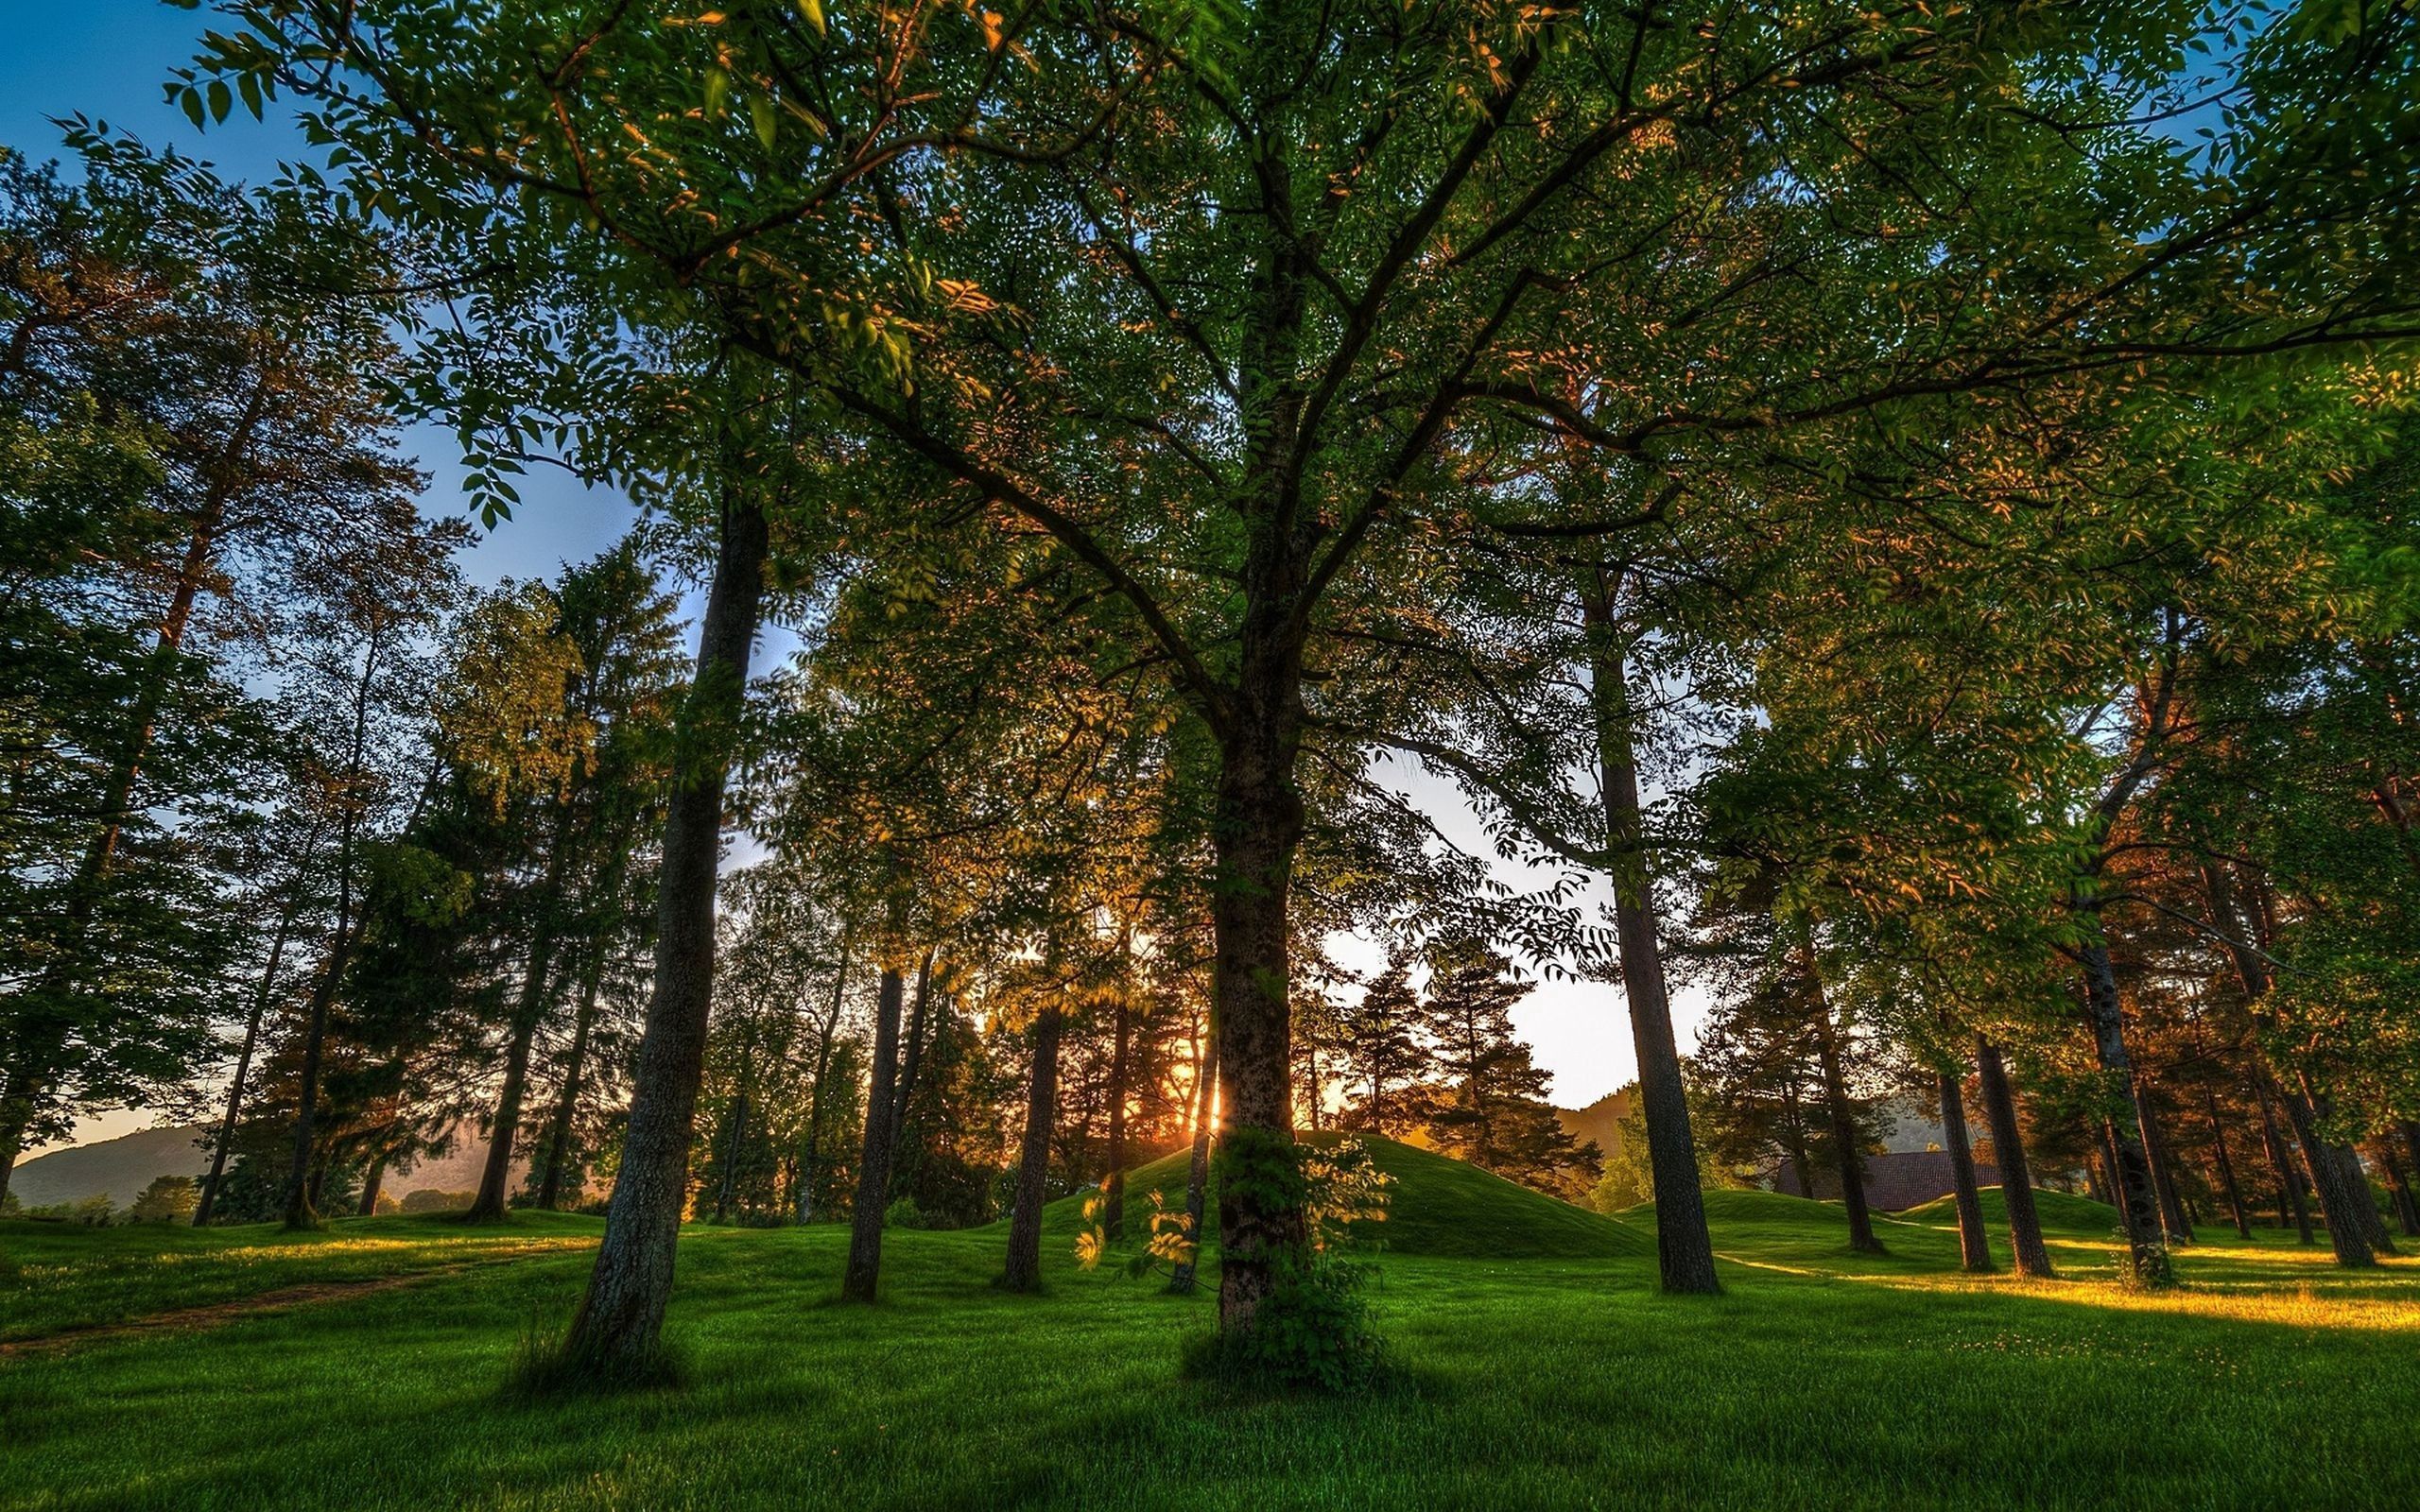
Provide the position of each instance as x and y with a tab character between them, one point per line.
1802	1161
811	1166
371	1183
2407	1212
863	1278
1844	1136
2131	1174
911	1057
2292	1208
1113	1204
551	1186
210	1183
2173	1216
2031	1256
1683	1248
2227	1182
1197	1178
1974	1247
1024	1269
495	1177
620	1321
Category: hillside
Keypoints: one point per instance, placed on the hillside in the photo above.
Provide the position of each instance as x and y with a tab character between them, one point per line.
1439	1206
122	1167
2060	1212
1600	1121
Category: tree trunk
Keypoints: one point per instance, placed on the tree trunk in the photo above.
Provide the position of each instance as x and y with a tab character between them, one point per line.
551	1186
1113	1202
2346	1234
1197	1178
2407	1211
1683	1249
2227	1183
2032	1257
620	1320
863	1278
243	1067
2130	1174
2292	1208
493	1201
2171	1211
1258	828
1844	1137
375	1178
2364	1199
811	1164
1973	1248
1024	1269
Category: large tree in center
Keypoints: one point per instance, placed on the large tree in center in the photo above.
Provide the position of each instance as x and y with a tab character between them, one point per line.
1226	301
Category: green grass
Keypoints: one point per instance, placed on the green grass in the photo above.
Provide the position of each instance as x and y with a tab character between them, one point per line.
1819	1380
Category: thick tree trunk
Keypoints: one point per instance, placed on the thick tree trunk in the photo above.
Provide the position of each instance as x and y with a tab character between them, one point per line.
1683	1248
2131	1171
863	1277
2227	1183
1023	1272
2364	1199
1974	1246
2171	1211
2032	1257
620	1320
2346	1234
1851	1160
1197	1178
371	1183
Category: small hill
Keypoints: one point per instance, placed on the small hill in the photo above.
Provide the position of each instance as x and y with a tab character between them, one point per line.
2060	1212
1439	1206
118	1169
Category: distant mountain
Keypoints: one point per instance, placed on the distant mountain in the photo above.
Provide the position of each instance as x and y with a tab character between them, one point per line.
1600	1121
121	1167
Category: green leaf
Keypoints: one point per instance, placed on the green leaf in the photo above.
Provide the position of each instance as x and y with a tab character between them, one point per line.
222	99
718	91
813	11
766	119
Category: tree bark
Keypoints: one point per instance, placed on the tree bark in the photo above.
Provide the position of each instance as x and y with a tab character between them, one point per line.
2364	1199
863	1278
2130	1174
494	1178
2407	1211
2031	1255
2291	1206
375	1178
1197	1179
2171	1211
620	1321
811	1164
551	1186
1024	1269
210	1183
2227	1182
1844	1138
1974	1246
1683	1248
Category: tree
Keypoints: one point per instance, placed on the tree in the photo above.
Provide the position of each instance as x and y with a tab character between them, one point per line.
1490	1108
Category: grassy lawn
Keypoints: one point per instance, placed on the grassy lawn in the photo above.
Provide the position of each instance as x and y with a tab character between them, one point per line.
1820	1380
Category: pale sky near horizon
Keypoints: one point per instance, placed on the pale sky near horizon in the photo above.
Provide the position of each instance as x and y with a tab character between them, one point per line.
109	58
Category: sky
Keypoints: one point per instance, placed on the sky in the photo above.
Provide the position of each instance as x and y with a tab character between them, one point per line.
110	59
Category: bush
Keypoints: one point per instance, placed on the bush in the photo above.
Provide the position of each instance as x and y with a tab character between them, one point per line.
1315	1328
167	1199
429	1199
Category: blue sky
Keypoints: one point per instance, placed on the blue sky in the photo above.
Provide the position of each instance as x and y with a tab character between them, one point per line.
109	58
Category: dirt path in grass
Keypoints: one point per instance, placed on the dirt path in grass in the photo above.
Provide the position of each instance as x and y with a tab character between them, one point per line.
214	1315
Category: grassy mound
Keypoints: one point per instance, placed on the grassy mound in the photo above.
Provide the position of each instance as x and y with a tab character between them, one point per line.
1440	1206
2061	1213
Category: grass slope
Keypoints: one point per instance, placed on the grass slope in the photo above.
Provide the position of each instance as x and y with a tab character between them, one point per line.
2062	1213
1438	1207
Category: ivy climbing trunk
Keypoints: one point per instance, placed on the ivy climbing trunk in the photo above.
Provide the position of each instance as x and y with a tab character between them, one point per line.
619	1326
1683	1248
